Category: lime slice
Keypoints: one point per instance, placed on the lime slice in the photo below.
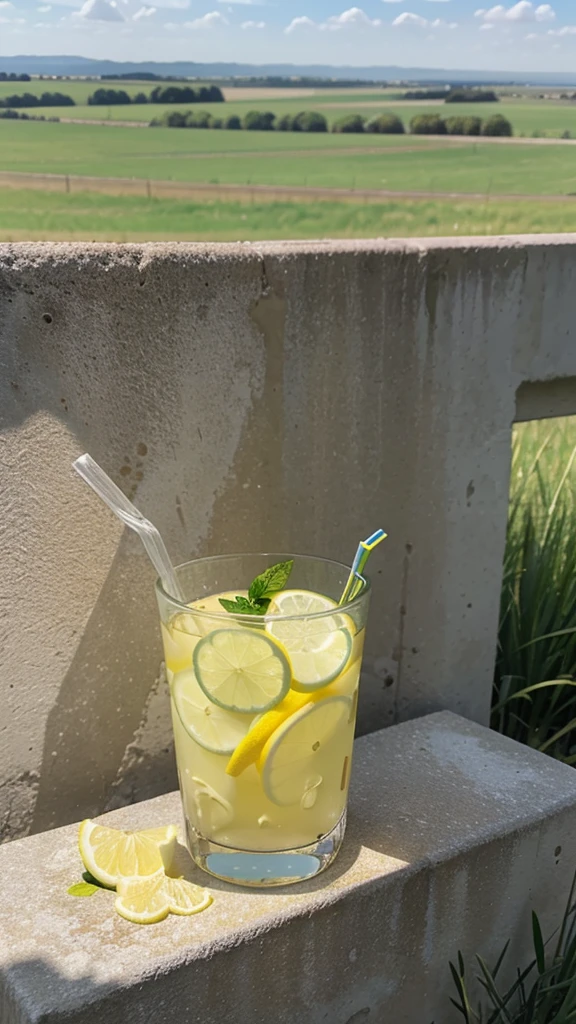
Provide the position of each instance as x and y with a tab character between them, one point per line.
149	900
242	670
111	855
287	762
319	648
209	724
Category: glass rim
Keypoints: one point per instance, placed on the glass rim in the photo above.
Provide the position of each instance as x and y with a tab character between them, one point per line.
257	619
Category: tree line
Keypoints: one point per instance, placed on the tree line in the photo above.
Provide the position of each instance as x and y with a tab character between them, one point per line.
13	77
47	99
13	115
161	94
454	95
312	121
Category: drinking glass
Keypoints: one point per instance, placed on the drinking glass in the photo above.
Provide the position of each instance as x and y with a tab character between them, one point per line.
282	818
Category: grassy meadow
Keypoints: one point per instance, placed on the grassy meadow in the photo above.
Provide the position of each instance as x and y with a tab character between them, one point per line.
476	172
287	159
38	215
535	681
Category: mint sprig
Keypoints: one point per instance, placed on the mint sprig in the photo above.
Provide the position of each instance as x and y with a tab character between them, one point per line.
262	590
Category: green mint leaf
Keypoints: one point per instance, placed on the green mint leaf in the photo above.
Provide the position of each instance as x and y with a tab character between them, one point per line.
269	582
83	889
241	606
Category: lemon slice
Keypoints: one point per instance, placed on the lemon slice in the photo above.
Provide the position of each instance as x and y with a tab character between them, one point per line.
180	637
212	604
319	648
111	855
249	749
148	900
242	670
209	724
287	762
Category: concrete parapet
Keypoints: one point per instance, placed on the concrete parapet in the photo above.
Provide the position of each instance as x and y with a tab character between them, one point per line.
288	396
455	835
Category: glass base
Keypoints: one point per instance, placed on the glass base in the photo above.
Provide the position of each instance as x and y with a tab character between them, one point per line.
262	870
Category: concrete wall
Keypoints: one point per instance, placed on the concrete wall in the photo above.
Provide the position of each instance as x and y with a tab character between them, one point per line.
287	396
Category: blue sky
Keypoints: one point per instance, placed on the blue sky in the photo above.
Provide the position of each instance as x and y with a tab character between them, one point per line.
521	36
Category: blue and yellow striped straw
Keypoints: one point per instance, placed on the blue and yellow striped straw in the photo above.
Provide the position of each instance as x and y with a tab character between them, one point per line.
362	555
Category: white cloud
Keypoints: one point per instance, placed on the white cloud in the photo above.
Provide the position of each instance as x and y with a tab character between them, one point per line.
144	12
44	10
12	21
487	26
209	20
253	24
99	10
407	18
566	30
297	23
5	4
522	11
417	21
244	3
392	1
354	16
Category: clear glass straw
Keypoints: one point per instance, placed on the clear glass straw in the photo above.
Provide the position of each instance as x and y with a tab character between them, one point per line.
122	507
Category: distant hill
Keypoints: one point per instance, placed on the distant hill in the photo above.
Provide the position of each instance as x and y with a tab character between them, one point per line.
65	65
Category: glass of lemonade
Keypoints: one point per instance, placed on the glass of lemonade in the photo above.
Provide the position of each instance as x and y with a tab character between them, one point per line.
264	709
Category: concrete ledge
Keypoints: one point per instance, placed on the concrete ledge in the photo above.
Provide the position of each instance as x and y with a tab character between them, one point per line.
455	834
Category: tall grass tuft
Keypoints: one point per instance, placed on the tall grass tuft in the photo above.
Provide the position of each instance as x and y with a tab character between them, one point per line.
535	679
543	993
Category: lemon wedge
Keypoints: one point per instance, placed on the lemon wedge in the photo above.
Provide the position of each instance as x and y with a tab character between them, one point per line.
111	855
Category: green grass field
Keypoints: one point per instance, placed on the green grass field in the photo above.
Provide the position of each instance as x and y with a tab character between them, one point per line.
358	162
93	217
537	635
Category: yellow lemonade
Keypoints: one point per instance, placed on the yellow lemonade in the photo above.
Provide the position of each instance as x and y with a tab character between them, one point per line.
264	718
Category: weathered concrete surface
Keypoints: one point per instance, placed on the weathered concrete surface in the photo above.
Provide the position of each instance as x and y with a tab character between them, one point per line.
286	396
455	835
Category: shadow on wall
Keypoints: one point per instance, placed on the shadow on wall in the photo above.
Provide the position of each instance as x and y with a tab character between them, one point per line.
79	377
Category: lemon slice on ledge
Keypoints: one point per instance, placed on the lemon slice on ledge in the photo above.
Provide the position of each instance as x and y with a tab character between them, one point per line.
149	900
111	855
